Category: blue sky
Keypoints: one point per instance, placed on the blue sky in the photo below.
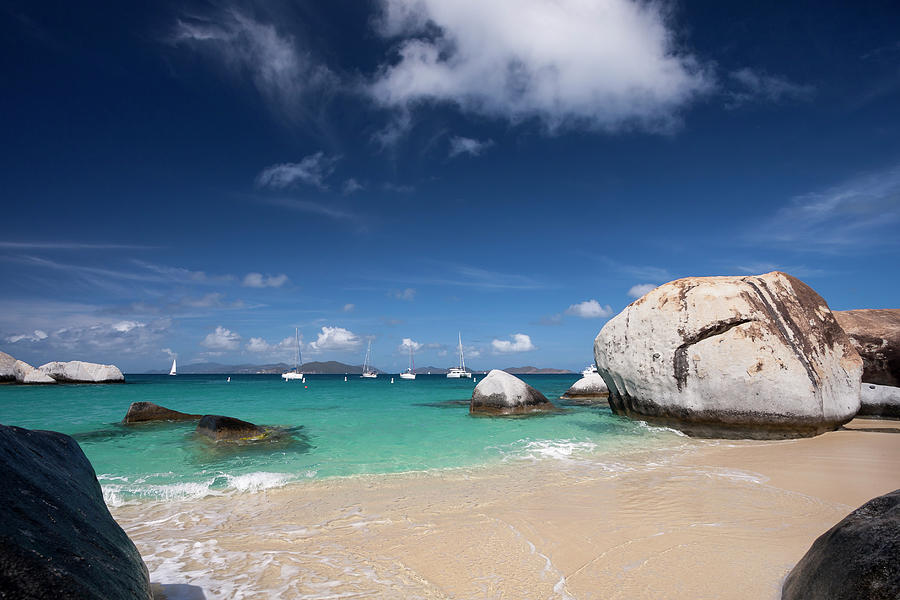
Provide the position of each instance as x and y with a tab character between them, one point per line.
199	179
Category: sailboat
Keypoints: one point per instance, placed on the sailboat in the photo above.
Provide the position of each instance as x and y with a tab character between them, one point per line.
410	371
367	371
295	374
460	371
172	370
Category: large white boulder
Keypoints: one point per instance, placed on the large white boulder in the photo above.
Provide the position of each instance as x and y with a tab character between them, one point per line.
588	387
76	371
503	394
879	401
758	356
25	373
7	367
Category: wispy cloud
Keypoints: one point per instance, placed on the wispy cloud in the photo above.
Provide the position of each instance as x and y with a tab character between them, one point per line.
472	147
757	268
258	280
855	216
408	294
520	343
351	186
316	208
749	85
311	170
646	272
70	246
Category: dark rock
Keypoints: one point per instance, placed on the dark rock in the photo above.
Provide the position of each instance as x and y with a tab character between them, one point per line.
57	538
857	559
145	412
876	335
222	428
503	394
879	401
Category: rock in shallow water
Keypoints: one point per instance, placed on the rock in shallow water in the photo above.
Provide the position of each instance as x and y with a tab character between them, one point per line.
875	334
57	538
857	559
758	357
503	394
25	373
221	428
77	371
589	386
879	401
146	412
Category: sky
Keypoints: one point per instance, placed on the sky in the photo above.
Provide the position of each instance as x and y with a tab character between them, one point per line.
199	179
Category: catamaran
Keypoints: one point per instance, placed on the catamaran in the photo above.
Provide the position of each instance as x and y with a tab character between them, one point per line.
172	370
410	371
368	372
460	371
589	370
295	374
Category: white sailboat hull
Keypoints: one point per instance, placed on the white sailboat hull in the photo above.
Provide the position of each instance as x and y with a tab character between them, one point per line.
458	374
407	375
369	375
292	376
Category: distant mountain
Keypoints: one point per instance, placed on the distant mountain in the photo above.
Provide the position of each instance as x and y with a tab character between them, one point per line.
432	370
536	371
330	367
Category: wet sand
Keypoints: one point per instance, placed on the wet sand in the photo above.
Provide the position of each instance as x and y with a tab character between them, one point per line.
710	519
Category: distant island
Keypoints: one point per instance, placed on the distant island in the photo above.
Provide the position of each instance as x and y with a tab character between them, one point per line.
330	367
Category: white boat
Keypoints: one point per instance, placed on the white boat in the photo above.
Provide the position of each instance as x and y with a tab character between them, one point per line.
295	374
460	371
368	372
172	371
410	371
589	370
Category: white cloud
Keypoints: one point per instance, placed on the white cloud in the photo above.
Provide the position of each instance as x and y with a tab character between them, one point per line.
307	206
520	343
463	145
589	309
311	170
258	280
349	307
283	74
222	339
408	343
351	186
126	326
753	86
335	338
37	336
569	63
636	291
259	345
409	294
169	352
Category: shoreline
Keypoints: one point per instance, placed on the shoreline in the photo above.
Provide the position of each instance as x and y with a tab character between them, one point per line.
724	519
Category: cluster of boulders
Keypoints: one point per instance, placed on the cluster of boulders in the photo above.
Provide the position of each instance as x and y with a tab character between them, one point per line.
73	371
757	356
216	427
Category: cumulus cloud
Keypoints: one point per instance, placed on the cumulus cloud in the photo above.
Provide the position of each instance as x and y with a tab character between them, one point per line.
589	309
568	63
408	343
311	170
259	345
258	280
222	339
636	291
463	145
520	343
335	338
750	85
409	294
282	73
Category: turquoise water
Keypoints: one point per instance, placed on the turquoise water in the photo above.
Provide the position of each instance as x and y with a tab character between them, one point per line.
335	428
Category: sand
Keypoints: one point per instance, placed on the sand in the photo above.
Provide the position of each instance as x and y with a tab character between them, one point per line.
711	519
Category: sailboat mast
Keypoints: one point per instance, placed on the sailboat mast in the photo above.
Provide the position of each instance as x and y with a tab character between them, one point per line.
297	349
462	361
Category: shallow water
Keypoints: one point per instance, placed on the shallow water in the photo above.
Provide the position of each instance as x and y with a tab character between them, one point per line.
336	429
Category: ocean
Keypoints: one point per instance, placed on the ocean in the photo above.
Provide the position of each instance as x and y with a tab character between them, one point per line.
334	428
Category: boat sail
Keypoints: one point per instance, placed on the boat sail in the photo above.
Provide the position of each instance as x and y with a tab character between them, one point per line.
411	370
460	371
295	374
172	371
368	372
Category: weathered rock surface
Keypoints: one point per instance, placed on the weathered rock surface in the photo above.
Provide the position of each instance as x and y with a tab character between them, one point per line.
879	401
145	412
876	335
221	428
25	373
76	371
758	357
7	367
857	558
57	538
589	386
500	393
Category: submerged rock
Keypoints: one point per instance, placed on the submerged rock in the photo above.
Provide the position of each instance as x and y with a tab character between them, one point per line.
857	558
7	367
879	401
145	412
589	387
221	428
758	357
76	371
875	334
57	538
503	394
25	373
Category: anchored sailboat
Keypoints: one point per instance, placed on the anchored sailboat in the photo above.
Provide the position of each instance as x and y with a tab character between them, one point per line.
172	370
295	374
410	372
368	372
460	371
